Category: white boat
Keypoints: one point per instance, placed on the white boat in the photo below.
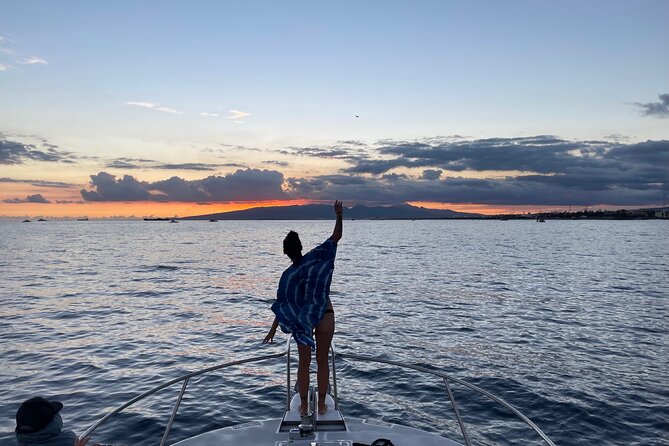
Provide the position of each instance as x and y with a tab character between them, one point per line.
330	429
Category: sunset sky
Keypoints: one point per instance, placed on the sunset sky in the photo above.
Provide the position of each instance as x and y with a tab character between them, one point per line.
139	108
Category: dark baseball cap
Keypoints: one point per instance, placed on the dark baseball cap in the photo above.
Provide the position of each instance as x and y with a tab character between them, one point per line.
35	414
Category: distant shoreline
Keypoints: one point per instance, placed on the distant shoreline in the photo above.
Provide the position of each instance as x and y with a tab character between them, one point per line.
405	212
495	217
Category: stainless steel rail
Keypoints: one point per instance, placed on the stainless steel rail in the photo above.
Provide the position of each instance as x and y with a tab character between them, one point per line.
174	413
459	381
334	354
457	413
187	377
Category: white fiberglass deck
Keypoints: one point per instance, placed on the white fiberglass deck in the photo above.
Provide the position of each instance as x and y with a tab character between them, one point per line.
331	429
359	431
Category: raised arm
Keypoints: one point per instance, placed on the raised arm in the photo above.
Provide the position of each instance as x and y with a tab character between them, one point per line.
337	233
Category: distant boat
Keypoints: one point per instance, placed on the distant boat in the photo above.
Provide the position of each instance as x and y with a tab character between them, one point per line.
82	219
41	219
173	221
504	219
156	219
26	221
213	220
540	220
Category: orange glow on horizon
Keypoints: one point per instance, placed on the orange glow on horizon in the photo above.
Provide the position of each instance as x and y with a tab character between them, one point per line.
141	209
137	209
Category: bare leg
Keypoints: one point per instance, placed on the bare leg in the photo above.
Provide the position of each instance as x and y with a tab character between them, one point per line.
303	376
324	333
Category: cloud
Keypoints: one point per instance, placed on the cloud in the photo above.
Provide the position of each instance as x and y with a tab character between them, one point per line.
39	183
236	115
352	142
133	163
13	152
536	154
33	60
242	185
36	198
3	67
108	188
277	163
152	106
346	150
238	147
544	154
618	138
552	190
322	153
558	173
120	164
189	166
431	174
554	172
394	177
657	109
213	115
10	51
178	189
129	163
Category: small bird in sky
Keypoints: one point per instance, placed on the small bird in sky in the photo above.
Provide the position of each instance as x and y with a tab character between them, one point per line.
357	116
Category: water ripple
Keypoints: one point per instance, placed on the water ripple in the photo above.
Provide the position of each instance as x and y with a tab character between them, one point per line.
567	321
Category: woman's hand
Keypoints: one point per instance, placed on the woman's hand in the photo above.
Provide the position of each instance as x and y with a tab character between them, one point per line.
82	441
269	339
339	210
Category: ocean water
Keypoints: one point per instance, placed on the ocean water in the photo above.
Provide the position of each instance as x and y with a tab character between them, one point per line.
567	320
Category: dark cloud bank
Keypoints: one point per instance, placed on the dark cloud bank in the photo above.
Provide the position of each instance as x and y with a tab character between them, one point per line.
554	172
242	185
36	198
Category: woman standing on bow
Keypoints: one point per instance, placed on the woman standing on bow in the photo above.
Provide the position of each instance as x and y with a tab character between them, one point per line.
303	307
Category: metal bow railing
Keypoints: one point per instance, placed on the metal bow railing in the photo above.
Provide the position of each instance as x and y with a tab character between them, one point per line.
334	354
446	379
185	379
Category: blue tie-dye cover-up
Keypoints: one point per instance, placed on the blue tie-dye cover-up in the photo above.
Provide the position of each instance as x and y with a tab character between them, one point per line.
304	291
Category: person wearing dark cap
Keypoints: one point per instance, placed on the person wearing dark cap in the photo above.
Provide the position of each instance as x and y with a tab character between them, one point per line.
38	423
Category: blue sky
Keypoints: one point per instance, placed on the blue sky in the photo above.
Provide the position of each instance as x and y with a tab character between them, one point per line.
134	78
